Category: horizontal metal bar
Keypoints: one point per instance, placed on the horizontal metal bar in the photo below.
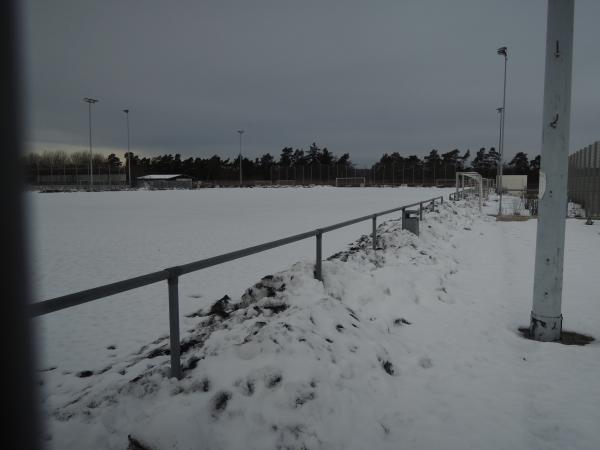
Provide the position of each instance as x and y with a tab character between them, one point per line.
364	218
220	259
346	223
77	298
389	211
216	260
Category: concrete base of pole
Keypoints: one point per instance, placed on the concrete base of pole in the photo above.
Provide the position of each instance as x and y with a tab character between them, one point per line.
545	329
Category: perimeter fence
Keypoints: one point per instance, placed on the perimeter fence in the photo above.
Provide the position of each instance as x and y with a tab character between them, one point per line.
584	179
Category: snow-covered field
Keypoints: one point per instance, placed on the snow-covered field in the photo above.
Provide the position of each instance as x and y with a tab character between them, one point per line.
413	346
82	240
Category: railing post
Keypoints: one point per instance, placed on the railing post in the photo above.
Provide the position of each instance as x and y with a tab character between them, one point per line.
374	232
421	211
318	273
442	199
173	281
432	205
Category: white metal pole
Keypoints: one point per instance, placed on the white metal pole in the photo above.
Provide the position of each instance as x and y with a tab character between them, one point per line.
241	132
90	101
499	164
126	111
503	123
502	51
457	176
91	158
480	178
546	316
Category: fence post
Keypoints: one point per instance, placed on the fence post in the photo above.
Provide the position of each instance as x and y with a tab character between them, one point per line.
420	211
173	281
432	205
442	199
374	232
318	274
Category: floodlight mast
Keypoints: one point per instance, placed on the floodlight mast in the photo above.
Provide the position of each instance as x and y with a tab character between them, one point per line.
504	52
499	164
546	315
126	111
90	102
240	133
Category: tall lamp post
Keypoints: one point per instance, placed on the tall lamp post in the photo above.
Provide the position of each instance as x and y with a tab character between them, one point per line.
504	52
90	102
240	133
499	164
126	111
546	313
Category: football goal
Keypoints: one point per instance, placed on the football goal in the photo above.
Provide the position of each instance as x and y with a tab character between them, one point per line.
350	182
469	184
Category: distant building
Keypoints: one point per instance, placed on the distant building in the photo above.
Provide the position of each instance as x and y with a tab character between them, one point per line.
517	183
175	181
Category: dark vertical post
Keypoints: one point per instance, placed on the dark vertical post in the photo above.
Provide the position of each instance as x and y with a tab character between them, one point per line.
21	424
420	211
374	232
173	281
318	273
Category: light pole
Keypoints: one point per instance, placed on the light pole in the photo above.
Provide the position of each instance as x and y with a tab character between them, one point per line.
240	132
546	313
126	111
90	101
504	52
498	164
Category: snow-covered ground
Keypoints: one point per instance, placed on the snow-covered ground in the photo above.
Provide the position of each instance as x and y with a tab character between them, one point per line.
82	240
414	345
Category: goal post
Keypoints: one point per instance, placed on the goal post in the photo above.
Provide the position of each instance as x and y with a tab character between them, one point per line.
469	181
350	182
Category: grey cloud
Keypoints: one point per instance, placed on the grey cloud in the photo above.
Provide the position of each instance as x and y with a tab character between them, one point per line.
357	77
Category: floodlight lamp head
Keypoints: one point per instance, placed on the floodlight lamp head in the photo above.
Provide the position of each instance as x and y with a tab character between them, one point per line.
503	51
240	131
90	100
499	109
126	111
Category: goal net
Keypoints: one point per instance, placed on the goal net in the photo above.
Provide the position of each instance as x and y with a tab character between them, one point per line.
468	185
350	182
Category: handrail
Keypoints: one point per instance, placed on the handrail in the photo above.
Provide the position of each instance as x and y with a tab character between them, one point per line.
226	257
88	295
172	274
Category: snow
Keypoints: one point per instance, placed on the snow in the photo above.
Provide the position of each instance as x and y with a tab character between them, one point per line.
159	177
86	239
414	345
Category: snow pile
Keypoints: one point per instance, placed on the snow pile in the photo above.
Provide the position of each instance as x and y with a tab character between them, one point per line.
294	363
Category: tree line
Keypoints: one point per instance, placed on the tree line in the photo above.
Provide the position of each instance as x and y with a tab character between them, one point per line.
315	165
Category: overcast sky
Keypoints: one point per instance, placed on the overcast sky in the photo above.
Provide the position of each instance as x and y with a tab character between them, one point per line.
363	77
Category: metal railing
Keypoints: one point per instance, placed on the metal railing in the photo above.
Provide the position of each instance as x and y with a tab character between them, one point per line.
172	274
